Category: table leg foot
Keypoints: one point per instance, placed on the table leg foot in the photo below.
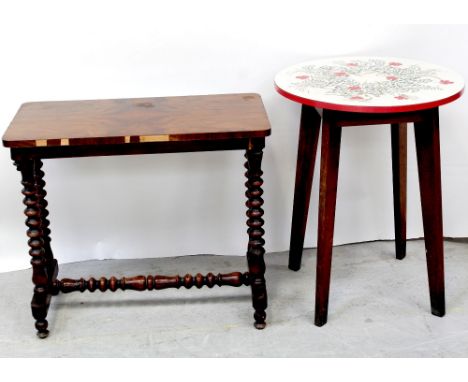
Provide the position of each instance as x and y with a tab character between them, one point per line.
41	326
260	320
320	319
437	312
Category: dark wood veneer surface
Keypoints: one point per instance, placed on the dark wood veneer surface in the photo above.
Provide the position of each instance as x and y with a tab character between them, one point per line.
137	120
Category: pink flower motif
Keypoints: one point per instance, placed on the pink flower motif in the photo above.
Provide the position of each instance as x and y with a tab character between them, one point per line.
401	97
302	77
356	98
352	64
355	87
341	74
446	82
392	78
394	63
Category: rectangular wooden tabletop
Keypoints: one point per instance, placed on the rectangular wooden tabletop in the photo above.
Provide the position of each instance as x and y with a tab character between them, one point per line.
137	120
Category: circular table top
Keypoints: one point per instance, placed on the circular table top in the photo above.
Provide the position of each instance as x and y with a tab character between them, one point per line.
369	84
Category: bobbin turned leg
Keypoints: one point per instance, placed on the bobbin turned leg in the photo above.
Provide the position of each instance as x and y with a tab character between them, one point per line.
42	274
330	156
308	138
428	154
52	266
255	250
399	160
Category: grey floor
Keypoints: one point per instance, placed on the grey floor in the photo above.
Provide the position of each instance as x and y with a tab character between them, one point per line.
379	307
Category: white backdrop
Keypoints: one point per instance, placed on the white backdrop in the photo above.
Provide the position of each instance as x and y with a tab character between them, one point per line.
180	204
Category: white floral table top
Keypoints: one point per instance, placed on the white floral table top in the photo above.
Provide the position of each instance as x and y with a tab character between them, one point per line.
369	84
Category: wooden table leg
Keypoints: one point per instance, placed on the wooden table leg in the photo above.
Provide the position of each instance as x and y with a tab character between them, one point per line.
330	156
52	266
428	154
308	138
43	265
255	250
399	171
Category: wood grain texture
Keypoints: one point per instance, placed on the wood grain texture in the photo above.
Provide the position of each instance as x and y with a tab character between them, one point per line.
138	120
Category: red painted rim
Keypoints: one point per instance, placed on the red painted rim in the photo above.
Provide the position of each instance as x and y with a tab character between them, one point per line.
369	109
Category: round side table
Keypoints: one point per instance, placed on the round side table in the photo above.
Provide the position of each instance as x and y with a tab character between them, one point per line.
356	91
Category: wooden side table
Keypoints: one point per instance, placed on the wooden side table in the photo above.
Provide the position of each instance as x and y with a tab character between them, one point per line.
45	130
351	91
